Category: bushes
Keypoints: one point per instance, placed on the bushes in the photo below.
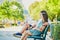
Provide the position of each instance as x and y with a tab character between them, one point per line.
56	32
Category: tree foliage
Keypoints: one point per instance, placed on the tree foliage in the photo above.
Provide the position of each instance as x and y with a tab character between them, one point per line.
51	6
11	10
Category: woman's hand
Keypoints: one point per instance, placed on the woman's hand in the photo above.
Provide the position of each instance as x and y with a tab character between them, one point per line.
43	26
35	28
46	23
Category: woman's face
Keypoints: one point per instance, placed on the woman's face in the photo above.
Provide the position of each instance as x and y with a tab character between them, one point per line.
42	17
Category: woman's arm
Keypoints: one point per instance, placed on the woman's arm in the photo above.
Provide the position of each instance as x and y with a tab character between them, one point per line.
34	25
43	27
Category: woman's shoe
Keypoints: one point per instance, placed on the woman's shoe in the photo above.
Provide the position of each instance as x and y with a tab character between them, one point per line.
18	35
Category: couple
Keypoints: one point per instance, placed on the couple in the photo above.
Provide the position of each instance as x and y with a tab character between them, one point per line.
38	29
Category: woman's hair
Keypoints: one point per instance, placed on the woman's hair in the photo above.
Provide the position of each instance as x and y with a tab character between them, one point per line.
45	16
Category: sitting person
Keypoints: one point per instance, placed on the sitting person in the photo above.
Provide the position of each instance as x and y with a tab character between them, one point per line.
29	23
41	25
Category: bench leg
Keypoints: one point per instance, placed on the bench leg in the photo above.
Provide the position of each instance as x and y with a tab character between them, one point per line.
38	39
34	38
43	39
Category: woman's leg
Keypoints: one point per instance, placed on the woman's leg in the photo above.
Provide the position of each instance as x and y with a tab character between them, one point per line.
25	35
25	38
24	29
22	37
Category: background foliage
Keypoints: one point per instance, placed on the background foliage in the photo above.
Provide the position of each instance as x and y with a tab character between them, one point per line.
51	6
11	10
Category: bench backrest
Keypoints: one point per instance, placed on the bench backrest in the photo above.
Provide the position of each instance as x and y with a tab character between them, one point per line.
45	31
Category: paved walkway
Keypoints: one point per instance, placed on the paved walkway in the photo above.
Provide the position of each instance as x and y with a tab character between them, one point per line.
7	33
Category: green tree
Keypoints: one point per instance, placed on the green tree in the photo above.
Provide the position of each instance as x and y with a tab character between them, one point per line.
51	6
16	10
11	10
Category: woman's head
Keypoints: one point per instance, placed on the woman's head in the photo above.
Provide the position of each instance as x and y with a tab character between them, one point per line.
44	16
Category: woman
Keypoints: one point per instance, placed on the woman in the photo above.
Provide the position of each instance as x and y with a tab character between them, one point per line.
39	27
